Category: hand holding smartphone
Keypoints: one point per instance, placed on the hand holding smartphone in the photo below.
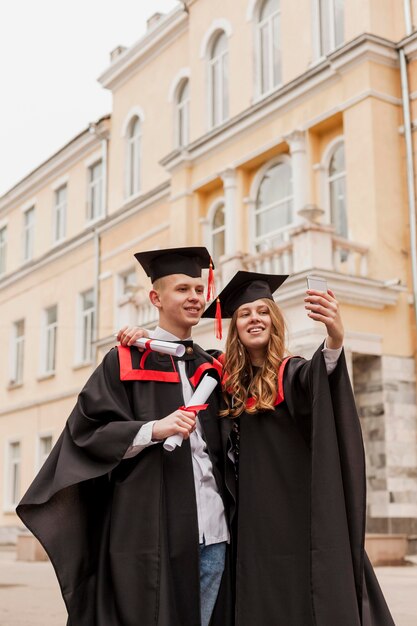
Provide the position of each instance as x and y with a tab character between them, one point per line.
317	283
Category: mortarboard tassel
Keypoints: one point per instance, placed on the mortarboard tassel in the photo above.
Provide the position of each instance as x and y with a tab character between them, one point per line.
210	284
218	320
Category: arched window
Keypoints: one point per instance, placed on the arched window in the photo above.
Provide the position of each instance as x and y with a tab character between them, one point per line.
134	138
337	191
269	48
274	206
183	113
218	233
331	18
218	80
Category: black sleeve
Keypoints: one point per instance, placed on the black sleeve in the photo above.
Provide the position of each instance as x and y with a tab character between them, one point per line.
95	438
298	388
102	423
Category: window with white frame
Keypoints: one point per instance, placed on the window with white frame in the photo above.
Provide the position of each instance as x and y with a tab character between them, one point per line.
126	286
60	214
95	191
50	337
269	45
28	233
331	24
128	283
183	113
87	321
274	206
44	449
3	249
17	352
218	229
219	80
337	191
134	140
13	474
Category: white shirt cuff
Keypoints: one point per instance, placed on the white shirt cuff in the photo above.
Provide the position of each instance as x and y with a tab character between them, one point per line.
144	436
142	440
331	357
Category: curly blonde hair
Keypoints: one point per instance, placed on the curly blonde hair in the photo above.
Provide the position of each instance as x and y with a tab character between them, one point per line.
240	382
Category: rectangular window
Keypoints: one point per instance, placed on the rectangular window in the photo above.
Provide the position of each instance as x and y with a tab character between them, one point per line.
28	233
87	314
50	336
331	25
17	353
60	214
3	249
95	191
183	123
128	282
44	448
13	474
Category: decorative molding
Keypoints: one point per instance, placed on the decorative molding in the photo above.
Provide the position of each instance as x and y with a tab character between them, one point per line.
150	45
135	111
252	9
216	26
94	158
60	182
182	74
29	204
409	45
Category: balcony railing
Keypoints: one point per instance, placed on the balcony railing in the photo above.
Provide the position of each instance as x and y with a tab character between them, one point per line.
350	258
276	261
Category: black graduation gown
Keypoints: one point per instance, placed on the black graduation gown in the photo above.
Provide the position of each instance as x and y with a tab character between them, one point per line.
300	526
122	535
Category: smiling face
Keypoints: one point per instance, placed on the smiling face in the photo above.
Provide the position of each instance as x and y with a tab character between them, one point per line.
253	325
180	300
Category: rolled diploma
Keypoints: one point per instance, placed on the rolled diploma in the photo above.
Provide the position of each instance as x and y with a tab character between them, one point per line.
156	345
200	395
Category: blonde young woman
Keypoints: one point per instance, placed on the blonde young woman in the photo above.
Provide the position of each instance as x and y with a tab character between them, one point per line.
297	474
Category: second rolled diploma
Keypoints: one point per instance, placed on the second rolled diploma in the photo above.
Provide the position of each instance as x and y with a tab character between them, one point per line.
197	402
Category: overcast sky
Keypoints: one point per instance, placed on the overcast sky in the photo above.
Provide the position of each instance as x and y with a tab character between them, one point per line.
51	54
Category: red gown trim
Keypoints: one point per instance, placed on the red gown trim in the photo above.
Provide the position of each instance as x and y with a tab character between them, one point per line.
196	377
127	372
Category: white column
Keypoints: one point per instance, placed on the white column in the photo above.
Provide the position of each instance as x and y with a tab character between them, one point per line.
298	150
230	212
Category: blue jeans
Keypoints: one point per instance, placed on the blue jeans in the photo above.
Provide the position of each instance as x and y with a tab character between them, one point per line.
212	559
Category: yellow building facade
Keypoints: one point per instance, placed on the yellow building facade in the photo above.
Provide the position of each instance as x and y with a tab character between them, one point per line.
271	131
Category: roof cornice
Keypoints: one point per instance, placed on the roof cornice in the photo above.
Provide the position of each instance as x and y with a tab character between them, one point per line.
58	163
156	39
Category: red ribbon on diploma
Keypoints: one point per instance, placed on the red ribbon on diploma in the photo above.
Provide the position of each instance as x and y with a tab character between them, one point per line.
194	409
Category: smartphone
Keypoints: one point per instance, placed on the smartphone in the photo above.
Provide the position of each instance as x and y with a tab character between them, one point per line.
317	283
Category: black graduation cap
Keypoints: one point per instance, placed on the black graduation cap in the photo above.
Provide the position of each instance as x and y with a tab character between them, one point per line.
188	261
245	287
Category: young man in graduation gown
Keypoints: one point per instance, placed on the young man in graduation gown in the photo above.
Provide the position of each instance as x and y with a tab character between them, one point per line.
137	535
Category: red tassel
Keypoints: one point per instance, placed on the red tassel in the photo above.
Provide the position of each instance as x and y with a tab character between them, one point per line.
218	320
210	284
